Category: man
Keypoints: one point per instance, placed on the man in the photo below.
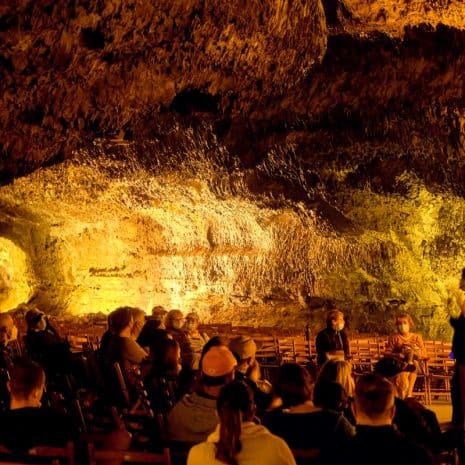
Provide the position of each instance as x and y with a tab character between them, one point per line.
332	342
138	318
154	330
376	440
194	417
26	424
174	325
248	370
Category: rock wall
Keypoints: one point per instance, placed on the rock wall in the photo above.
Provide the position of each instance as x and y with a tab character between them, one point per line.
252	160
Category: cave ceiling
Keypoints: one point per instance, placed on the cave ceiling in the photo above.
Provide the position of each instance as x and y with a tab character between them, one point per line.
331	77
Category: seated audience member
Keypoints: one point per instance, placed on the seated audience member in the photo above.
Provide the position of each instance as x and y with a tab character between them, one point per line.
8	338
411	418
248	370
154	330
331	396
122	347
298	421
408	347
193	418
338	371
237	440
26	424
376	440
195	339
163	382
45	345
332	342
138	319
174	325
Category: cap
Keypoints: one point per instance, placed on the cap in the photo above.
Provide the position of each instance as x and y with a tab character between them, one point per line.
243	347
389	367
218	361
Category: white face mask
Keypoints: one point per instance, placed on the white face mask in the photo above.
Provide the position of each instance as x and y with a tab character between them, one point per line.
339	326
403	328
177	324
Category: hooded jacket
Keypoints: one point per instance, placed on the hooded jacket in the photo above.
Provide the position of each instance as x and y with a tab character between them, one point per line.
259	447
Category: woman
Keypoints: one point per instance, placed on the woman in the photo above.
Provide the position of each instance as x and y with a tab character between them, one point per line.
408	347
298	421
237	439
338	371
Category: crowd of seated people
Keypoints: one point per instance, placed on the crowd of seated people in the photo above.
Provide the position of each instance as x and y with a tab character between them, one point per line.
208	396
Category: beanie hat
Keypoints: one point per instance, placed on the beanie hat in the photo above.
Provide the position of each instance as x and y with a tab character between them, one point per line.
243	347
218	361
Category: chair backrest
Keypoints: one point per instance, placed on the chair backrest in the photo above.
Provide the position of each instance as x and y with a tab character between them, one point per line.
40	455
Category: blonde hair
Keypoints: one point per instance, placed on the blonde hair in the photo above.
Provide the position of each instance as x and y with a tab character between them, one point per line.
333	314
338	371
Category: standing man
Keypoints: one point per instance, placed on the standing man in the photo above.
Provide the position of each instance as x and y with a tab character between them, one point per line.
332	342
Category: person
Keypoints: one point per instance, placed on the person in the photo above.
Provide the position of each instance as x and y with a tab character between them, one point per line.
195	339
411	418
298	421
338	371
407	346
8	337
193	418
163	381
138	318
376	440
153	330
26	424
237	440
174	325
458	351
248	370
332	342
46	346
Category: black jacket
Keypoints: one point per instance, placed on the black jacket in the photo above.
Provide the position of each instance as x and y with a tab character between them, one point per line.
329	340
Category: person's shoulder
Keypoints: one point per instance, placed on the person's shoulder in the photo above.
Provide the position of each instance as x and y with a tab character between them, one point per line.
199	453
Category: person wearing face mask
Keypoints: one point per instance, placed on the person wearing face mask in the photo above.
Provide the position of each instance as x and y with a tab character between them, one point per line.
408	347
332	342
174	322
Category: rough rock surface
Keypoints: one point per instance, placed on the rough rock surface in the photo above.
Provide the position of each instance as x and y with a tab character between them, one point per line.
246	158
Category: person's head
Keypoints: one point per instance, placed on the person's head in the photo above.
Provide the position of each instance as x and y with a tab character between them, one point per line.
329	396
167	358
191	324
8	330
174	319
235	405
26	384
244	349
138	321
404	323
393	370
335	320
217	369
36	320
121	321
338	371
374	401
294	385
158	314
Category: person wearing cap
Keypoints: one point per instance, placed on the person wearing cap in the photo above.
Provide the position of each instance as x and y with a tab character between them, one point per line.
194	417
244	349
154	330
411	418
195	339
45	345
332	342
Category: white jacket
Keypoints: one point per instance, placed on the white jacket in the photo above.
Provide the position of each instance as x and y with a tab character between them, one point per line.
259	447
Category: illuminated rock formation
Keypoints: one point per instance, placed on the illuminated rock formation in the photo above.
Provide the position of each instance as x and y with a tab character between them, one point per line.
248	159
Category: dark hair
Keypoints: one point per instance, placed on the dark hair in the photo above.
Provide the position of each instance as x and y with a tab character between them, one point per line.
120	318
374	394
294	384
25	377
329	396
165	358
235	398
